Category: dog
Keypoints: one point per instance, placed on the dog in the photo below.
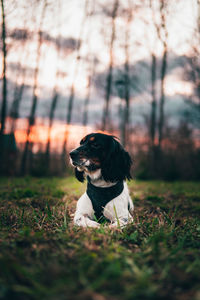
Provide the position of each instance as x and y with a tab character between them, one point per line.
103	161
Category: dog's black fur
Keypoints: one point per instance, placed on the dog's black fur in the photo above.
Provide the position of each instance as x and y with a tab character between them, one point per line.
104	152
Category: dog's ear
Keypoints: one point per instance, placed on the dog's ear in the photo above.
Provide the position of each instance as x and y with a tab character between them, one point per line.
117	164
79	175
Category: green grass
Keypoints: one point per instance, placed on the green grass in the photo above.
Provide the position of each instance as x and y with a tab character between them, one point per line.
43	256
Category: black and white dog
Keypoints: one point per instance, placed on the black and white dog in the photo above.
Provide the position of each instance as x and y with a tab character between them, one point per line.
102	159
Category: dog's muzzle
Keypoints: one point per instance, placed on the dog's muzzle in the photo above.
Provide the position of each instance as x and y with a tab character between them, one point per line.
76	160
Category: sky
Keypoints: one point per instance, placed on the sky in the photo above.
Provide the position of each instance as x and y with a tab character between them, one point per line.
67	20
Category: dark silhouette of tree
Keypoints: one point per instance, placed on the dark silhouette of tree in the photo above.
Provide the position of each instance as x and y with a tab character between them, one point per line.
4	75
163	37
154	101
160	25
123	81
51	117
4	88
192	73
87	98
31	120
125	123
72	89
55	92
92	61
18	91
153	70
22	36
109	78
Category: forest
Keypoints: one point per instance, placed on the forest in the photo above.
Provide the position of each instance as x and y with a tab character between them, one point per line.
130	68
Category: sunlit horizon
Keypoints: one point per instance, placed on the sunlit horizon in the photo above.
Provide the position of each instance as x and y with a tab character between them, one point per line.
69	21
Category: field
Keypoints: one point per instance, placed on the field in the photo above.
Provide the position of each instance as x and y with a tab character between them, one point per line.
43	256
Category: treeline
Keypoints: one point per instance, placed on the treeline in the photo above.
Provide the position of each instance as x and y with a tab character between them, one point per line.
165	149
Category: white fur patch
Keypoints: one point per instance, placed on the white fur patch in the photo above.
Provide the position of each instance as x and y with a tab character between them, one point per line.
87	163
94	175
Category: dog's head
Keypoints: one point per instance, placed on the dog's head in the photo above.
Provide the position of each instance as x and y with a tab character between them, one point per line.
103	154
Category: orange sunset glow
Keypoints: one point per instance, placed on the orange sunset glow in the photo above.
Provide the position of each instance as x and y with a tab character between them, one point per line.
39	134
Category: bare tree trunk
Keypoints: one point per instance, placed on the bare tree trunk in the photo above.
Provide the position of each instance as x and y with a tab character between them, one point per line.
87	99
162	34
198	18
162	98
91	72
68	119
31	120
193	72
55	91
51	117
105	117
19	88
4	88
153	103
72	89
163	8
86	102
125	127
163	37
19	82
18	93
195	60
125	123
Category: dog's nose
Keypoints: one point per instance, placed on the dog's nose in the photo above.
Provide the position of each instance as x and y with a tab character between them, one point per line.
73	154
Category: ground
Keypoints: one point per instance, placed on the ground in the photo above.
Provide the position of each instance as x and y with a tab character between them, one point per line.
43	256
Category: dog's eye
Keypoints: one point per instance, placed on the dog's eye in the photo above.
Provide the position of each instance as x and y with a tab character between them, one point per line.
95	145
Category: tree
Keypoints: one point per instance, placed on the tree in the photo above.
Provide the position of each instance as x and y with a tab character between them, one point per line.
153	86
123	80
4	88
109	78
18	90
72	88
125	123
91	69
31	120
87	98
51	116
163	36
154	101
4	75
192	73
55	96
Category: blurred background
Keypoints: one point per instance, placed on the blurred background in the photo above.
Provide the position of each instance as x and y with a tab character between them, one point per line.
125	67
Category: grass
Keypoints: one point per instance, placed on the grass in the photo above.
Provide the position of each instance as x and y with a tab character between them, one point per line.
43	256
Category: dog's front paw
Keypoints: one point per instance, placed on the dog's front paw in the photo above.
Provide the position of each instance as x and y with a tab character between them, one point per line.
115	225
120	223
85	221
93	224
